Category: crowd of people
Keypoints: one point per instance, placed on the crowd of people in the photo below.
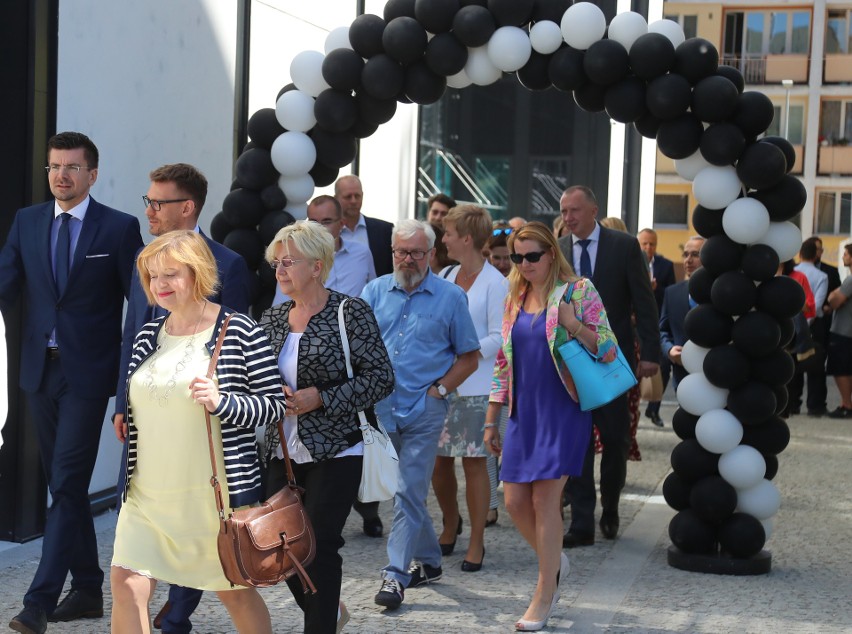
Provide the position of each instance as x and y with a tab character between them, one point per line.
453	325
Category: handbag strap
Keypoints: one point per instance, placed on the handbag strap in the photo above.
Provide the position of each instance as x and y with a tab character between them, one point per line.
344	338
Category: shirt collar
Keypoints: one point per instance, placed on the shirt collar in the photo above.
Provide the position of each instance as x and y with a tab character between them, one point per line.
78	211
427	284
594	236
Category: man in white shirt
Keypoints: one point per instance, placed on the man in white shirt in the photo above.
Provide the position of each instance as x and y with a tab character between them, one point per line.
375	233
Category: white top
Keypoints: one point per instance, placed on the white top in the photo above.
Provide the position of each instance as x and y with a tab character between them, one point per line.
485	300
818	281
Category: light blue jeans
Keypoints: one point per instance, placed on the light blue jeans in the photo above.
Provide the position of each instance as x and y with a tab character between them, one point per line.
412	535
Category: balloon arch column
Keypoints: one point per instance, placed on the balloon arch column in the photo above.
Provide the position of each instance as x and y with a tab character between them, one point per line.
671	90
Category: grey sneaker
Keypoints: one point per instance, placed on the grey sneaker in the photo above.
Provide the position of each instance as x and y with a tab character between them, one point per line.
391	594
423	574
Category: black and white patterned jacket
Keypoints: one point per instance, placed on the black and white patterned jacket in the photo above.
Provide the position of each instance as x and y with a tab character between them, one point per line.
334	427
251	391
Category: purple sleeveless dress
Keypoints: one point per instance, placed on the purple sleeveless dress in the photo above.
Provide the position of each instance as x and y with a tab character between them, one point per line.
547	434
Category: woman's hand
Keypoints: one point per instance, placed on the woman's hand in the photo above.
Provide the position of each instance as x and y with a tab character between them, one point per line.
120	427
491	439
301	401
205	392
567	319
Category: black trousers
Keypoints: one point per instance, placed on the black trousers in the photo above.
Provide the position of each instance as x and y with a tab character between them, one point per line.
816	381
331	486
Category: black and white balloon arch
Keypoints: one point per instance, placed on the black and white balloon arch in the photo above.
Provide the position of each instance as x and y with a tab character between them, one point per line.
672	90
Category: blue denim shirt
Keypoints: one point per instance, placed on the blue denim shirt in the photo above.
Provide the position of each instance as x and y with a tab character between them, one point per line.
423	332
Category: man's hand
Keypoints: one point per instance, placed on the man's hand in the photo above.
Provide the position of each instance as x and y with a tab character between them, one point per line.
647	369
120	427
675	355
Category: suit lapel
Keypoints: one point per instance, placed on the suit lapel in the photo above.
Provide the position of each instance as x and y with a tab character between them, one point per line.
42	234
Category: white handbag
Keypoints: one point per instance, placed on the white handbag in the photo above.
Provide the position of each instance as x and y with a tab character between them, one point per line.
380	473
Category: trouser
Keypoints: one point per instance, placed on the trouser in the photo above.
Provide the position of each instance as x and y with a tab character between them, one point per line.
653	407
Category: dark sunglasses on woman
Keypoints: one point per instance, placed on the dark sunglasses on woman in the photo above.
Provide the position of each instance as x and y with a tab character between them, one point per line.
532	257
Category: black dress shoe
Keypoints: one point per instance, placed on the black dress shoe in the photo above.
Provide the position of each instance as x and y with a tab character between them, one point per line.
447	549
655	418
573	540
469	566
158	620
30	620
78	604
373	527
609	526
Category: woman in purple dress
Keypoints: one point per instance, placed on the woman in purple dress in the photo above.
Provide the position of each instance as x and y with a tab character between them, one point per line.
547	433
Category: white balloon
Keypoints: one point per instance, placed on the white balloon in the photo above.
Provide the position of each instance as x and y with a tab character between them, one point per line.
545	37
784	237
626	28
716	187
299	211
692	357
337	38
582	25
459	80
509	48
480	68
306	72
293	153
745	220
718	431
768	526
762	500
297	189
670	29
742	467
295	111
689	167
697	395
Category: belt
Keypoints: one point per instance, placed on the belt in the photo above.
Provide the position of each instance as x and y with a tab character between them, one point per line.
53	353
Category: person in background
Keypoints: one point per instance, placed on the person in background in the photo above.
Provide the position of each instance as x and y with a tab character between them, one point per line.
437	207
467	228
559	228
610	222
440	259
517	222
840	345
548	434
498	250
322	425
375	233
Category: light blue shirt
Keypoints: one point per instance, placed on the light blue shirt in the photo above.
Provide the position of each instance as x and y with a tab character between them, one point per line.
424	332
359	234
592	248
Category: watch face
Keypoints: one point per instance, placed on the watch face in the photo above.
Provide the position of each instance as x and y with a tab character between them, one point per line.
442	390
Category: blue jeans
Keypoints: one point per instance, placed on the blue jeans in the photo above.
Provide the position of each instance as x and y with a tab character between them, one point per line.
412	535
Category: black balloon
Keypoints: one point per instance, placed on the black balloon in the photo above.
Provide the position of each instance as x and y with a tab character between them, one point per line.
683	424
220	227
676	491
782	297
652	55
733	293
781	396
606	62
760	262
762	165
273	198
726	367
692	462
708	327
722	143
788	331
271	223
720	254
714	99
510	12
365	34
341	69
696	59
753	113
625	100
691	534
733	75
323	175
680	137
551	10
255	170
534	74
248	244
474	25
445	54
707	222
785	146
243	208
591	97
713	499
382	77
436	16
785	200
362	129
404	40
397	9
756	334
700	283
771	466
422	85
336	111
647	125
742	536
374	111
752	403
263	127
775	369
334	149
566	69
770	437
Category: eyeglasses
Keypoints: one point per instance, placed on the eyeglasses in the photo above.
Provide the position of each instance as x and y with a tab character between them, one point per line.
501	232
283	262
691	254
53	168
401	254
156	204
532	257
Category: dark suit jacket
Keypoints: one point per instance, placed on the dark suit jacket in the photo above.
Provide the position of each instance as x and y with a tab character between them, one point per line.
87	317
665	276
621	277
379	237
672	316
833	275
234	293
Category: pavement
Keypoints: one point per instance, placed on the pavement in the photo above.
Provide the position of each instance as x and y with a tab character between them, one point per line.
614	586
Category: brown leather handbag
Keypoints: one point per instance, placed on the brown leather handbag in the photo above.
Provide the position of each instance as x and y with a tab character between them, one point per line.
263	545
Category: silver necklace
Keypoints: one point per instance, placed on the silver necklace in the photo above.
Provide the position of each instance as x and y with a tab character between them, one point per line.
469	276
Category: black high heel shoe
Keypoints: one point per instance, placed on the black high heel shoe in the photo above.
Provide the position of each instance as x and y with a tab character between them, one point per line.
447	549
469	566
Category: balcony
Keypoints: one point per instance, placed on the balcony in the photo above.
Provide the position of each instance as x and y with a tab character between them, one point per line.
838	68
835	159
665	165
769	69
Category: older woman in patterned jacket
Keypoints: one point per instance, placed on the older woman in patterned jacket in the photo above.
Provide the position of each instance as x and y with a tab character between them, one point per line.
321	427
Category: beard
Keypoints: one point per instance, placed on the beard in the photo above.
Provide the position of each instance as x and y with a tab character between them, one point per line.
409	277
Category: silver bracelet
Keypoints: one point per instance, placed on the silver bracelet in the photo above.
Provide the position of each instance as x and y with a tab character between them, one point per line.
491	425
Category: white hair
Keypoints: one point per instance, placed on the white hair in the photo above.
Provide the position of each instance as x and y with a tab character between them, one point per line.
409	227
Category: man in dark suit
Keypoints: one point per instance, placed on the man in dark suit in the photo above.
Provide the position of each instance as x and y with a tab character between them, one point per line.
174	201
662	275
71	260
615	264
676	303
376	234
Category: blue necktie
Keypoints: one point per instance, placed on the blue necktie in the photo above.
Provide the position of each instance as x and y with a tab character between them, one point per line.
62	255
585	260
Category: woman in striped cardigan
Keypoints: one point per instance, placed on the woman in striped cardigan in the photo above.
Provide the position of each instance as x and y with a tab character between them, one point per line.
168	524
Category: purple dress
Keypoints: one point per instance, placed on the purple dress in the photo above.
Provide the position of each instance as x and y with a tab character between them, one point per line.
547	434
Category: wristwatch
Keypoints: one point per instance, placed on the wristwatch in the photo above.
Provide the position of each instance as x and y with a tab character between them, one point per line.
442	391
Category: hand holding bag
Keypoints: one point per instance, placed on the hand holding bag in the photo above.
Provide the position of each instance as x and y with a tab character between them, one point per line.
597	383
380	473
263	545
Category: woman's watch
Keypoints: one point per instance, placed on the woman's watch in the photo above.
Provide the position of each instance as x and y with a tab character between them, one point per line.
442	391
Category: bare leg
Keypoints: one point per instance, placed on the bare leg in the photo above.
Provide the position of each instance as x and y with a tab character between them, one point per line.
477	492
518	499
248	611
131	597
844	386
446	489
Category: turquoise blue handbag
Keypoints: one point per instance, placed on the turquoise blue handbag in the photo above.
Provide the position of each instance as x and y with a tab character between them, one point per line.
597	383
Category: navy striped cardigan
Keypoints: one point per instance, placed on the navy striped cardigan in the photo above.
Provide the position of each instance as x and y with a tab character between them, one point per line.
251	395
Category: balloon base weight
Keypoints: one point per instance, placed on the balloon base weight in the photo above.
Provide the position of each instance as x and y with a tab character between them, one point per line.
720	564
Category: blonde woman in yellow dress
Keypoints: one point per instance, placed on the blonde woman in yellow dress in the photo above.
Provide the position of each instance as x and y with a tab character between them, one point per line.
168	523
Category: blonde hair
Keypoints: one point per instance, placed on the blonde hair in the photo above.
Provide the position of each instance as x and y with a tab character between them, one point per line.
560	270
311	238
470	220
184	247
616	224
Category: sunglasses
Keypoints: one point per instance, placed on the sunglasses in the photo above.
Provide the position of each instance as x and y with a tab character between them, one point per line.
532	257
501	232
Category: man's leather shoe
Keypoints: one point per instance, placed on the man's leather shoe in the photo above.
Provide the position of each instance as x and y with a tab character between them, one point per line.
572	540
373	527
158	620
609	526
30	620
655	418
78	604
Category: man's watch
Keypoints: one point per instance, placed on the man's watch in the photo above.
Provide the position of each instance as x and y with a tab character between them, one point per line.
441	389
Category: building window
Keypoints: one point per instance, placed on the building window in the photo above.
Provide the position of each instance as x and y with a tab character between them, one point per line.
796	131
671	210
835	122
833	213
750	36
689	24
838	32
